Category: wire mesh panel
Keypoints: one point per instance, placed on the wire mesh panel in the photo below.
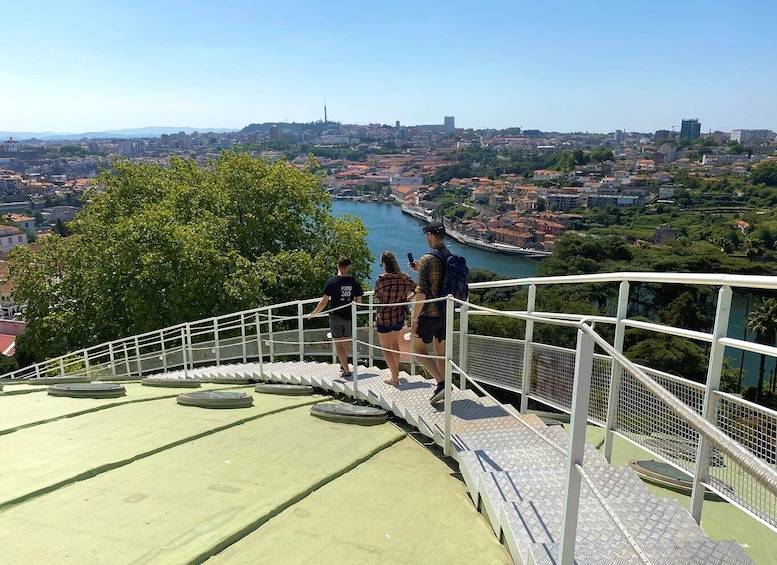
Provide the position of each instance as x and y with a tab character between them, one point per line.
317	344
496	361
755	427
600	389
648	422
285	342
230	349
552	375
202	352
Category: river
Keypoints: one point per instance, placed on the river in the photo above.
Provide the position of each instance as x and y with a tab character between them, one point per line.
390	229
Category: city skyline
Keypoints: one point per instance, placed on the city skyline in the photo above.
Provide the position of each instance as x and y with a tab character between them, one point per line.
559	66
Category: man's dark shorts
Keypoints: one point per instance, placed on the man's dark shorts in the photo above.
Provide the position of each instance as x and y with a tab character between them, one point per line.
429	327
340	327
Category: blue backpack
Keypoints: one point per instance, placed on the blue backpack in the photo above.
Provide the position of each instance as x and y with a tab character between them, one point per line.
455	279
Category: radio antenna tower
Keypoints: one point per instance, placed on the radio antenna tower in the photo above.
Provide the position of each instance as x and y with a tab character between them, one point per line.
325	120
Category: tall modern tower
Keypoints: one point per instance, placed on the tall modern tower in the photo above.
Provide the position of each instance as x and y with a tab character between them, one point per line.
690	129
325	120
450	125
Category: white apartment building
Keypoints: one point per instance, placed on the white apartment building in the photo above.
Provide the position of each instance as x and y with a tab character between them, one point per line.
10	237
750	135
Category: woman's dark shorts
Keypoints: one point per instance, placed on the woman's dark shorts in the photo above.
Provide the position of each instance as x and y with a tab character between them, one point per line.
388	329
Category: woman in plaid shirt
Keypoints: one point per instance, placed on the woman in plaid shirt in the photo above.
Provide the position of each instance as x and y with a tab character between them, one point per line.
392	287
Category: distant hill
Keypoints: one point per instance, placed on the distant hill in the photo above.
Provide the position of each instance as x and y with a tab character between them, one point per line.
152	131
290	127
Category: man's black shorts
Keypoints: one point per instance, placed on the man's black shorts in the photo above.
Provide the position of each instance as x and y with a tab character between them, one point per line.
429	327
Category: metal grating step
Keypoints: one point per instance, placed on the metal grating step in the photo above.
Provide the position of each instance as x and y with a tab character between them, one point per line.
525	523
474	463
613	551
539	435
500	488
701	551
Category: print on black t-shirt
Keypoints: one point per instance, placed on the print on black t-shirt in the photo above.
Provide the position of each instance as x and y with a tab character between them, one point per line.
341	291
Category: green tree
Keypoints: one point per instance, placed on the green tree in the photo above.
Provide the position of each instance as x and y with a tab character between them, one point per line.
763	323
161	245
766	173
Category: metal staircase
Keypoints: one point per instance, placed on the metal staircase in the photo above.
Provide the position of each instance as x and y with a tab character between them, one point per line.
552	499
514	468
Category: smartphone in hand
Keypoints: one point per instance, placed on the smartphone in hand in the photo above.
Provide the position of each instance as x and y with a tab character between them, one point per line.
410	258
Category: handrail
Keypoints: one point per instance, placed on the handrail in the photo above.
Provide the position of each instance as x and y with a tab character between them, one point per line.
762	472
216	340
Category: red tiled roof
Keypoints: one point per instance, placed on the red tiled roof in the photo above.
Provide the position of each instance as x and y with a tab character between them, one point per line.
7	344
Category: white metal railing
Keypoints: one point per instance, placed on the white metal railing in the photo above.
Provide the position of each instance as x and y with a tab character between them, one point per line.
733	452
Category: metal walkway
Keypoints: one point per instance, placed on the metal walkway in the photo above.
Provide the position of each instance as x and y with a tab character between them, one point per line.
514	468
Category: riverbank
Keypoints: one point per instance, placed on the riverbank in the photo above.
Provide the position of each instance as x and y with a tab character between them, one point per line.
390	229
503	248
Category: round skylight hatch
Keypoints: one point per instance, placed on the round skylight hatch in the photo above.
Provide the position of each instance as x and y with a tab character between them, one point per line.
56	380
216	399
87	390
348	413
286	389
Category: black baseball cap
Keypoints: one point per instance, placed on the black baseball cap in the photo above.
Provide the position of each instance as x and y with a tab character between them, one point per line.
435	227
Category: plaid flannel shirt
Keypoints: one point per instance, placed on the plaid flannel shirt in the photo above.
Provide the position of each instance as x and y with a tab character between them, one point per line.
391	288
431	272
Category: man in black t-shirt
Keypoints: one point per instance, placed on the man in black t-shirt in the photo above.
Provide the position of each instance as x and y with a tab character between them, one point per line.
340	290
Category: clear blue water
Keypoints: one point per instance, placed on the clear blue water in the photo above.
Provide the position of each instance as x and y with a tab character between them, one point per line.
391	230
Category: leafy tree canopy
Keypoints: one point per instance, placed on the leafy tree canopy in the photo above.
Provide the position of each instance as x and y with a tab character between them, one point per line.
158	246
766	173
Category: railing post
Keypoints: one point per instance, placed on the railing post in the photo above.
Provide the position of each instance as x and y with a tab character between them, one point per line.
370	326
137	357
710	409
463	344
243	336
259	351
449	305
300	331
413	314
270	335
216	344
126	358
584	356
183	353
527	350
163	349
112	357
616	370
86	364
354	356
189	348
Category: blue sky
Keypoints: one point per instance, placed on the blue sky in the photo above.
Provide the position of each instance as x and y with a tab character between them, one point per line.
552	65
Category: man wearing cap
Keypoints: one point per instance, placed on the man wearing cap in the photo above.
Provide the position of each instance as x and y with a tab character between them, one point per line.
428	321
